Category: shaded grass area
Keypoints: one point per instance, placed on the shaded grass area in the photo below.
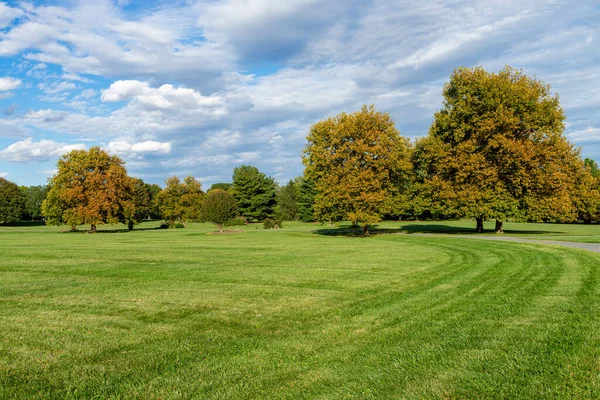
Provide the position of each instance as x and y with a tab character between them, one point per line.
290	314
563	232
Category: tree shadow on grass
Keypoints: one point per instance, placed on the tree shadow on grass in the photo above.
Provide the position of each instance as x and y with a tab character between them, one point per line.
24	223
116	230
448	229
348	230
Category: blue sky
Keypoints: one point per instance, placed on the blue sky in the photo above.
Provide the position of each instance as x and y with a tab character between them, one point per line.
200	87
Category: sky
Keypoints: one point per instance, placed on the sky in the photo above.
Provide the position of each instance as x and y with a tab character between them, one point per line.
200	87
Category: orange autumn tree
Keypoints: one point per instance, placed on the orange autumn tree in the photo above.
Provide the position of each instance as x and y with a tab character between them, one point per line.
360	166
90	187
496	150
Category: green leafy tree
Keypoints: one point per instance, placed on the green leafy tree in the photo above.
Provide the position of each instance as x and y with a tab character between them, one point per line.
496	150
34	197
90	187
153	189
180	201
588	192
218	207
254	193
142	203
592	167
360	166
12	202
306	199
287	202
220	185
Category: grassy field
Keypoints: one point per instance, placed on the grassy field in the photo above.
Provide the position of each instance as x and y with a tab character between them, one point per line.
302	312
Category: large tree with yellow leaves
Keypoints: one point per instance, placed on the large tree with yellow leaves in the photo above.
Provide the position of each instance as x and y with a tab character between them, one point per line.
496	150
360	166
90	187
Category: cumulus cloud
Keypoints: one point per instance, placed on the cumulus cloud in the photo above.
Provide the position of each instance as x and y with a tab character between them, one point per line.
3	174
28	150
8	83
125	148
165	97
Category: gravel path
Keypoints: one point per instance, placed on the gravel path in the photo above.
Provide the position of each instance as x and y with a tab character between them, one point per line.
595	247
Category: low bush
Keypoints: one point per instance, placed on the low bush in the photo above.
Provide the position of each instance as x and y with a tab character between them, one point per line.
179	225
237	221
272	224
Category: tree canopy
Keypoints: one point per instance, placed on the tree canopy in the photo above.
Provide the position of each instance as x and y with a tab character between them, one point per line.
90	187
34	197
218	207
496	150
12	203
287	201
180	201
254	193
360	166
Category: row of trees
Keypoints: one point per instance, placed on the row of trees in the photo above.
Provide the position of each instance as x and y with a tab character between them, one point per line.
496	150
92	187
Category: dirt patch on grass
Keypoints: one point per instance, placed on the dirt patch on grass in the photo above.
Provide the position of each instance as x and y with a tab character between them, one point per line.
226	232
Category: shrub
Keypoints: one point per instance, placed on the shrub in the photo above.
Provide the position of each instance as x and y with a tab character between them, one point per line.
179	225
163	225
237	221
272	224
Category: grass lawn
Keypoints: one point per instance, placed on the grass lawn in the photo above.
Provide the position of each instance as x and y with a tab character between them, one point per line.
302	312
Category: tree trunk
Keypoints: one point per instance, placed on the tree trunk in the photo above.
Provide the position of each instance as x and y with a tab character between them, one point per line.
479	228
73	228
499	229
220	226
365	230
93	228
130	225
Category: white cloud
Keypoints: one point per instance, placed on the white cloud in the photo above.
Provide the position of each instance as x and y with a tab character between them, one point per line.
57	87
75	77
165	97
3	174
8	14
27	150
125	148
589	134
124	90
8	83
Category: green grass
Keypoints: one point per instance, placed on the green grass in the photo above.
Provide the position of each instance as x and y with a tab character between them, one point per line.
301	312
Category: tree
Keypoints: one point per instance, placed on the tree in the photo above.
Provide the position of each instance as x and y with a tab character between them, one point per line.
34	197
218	207
220	185
12	203
496	151
153	189
90	187
142	203
306	199
360	166
180	201
287	202
588	192
592	166
254	193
